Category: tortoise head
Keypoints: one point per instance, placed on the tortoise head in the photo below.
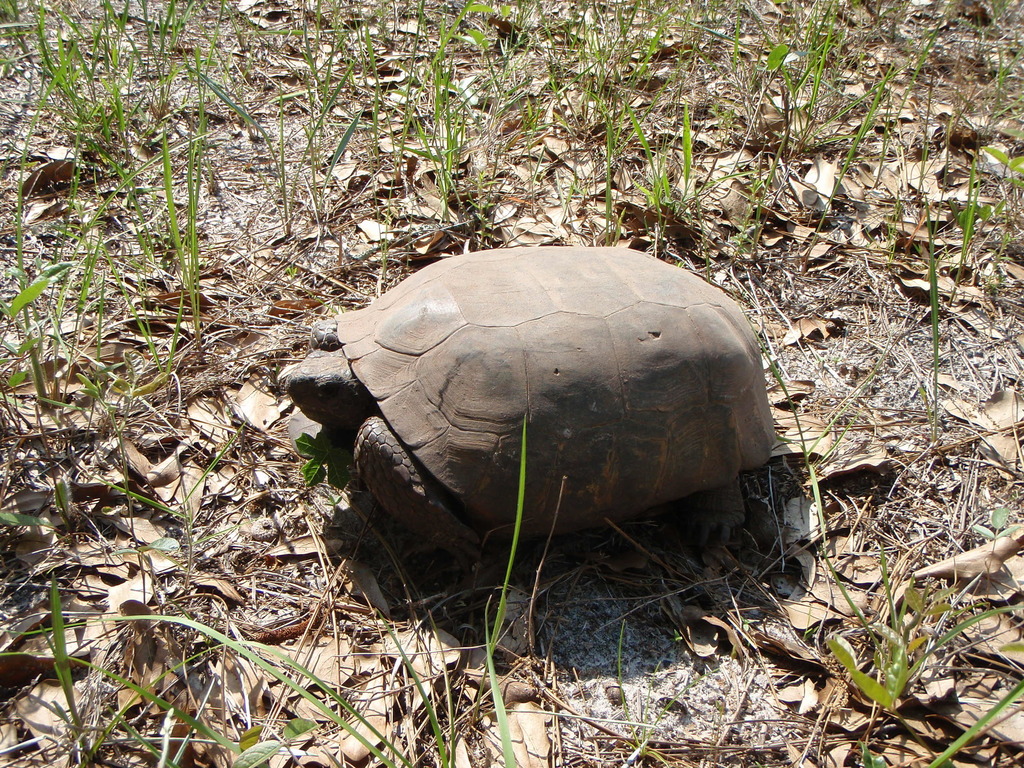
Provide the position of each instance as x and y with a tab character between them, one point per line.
326	390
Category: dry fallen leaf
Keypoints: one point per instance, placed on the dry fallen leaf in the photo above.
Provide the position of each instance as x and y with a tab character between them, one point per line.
167	471
296	546
790	649
375	231
946	286
998	636
806	610
530	230
8	738
703	634
327	658
25	502
256	406
289	308
802	696
801	523
1005	410
791	392
811	329
986	560
801	433
18	669
221	586
528	729
238	685
373	702
125	450
362	583
818	186
36	541
869	456
630	560
48	177
1009	727
980	321
515	634
138	588
139	527
211	420
39	709
735	204
429	652
858	568
999	416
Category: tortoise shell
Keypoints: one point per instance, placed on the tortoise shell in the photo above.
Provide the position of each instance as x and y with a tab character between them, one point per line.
639	382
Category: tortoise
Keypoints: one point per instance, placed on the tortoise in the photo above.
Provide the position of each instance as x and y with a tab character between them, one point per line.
639	384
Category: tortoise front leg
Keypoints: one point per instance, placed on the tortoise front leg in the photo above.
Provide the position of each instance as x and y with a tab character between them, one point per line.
407	493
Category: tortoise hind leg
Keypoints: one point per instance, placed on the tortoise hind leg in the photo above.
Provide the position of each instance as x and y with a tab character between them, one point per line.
712	516
411	497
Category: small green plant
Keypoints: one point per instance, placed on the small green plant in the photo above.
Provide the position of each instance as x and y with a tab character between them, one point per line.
968	216
326	460
903	647
870	760
21	313
659	194
256	753
997	527
802	86
1014	165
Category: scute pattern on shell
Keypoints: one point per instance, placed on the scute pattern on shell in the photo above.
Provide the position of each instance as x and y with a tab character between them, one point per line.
640	383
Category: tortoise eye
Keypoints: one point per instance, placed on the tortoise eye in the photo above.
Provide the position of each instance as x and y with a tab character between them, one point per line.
329	389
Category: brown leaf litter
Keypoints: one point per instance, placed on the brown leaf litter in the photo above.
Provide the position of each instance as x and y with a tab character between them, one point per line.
208	598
